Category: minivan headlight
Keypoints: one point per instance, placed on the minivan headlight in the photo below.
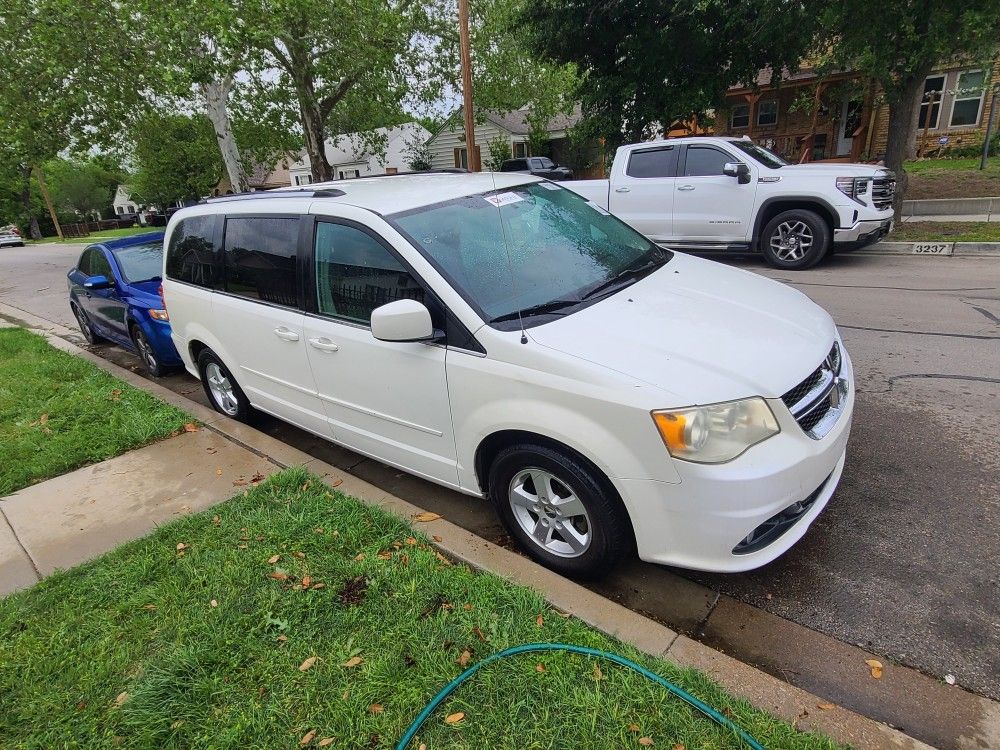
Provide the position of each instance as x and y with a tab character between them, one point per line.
716	433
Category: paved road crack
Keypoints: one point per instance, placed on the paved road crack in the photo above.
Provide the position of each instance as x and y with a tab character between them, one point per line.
978	337
34	566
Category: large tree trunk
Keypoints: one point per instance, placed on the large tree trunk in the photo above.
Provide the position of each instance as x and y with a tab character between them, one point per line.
34	230
314	130
216	94
900	144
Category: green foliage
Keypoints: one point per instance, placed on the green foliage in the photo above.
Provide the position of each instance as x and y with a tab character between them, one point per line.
177	159
214	646
418	154
647	63
499	152
58	412
83	188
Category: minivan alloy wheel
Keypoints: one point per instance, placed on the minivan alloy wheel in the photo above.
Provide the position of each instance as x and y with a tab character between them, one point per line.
550	513
221	389
791	240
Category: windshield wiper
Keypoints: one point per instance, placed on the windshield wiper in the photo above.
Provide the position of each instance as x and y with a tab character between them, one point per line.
553	306
627	273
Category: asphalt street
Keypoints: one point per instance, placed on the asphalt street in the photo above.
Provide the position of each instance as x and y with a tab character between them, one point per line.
904	560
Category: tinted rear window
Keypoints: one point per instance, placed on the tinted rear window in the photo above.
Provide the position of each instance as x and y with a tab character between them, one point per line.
660	162
260	259
192	255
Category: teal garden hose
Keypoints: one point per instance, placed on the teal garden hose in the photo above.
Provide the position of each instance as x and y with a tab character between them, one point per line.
529	647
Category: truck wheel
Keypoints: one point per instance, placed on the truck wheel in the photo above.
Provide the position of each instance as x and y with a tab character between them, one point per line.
795	240
560	511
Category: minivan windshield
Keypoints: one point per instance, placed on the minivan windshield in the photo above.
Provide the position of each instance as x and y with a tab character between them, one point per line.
140	262
530	251
768	158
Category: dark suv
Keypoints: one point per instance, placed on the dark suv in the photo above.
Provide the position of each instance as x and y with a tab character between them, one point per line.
540	166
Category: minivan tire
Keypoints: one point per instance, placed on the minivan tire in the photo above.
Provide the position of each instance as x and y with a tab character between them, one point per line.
783	236
221	388
604	524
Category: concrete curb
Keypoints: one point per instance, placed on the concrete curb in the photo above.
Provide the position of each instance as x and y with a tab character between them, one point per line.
965	249
945	206
796	706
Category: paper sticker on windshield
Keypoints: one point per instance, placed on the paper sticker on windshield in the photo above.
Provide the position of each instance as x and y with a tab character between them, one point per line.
503	199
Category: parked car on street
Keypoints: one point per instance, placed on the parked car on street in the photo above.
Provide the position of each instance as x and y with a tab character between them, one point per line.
10	237
540	166
729	194
501	336
114	292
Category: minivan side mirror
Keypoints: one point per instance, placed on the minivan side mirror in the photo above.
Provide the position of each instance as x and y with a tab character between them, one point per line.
402	320
97	282
739	170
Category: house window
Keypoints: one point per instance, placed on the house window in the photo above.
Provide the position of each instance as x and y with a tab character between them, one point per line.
120	209
934	85
131	209
767	112
520	149
346	174
968	104
391	170
740	116
303	179
462	157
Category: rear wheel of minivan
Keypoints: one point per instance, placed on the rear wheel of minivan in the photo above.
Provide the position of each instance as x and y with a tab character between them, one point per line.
223	392
795	240
561	510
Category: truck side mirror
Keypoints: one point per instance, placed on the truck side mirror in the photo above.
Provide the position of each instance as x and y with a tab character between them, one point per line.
739	170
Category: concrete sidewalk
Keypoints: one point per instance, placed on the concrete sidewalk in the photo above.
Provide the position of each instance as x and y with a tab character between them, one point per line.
67	520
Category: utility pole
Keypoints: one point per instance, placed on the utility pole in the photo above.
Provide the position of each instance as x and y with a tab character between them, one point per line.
48	200
466	54
989	127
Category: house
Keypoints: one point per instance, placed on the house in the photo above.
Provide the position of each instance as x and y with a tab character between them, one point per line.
351	155
839	116
447	145
123	203
260	177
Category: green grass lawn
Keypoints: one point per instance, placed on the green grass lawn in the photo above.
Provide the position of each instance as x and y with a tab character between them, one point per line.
59	412
946	231
293	616
952	178
109	234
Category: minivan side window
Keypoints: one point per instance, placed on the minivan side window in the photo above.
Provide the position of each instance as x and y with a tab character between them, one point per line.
260	257
705	161
355	273
191	256
656	162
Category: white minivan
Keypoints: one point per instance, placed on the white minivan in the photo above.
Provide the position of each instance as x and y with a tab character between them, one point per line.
500	335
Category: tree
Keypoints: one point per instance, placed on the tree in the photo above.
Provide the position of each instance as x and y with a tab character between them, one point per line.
82	187
897	45
499	149
177	159
647	63
418	154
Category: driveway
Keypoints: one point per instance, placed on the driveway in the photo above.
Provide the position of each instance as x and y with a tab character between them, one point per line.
904	560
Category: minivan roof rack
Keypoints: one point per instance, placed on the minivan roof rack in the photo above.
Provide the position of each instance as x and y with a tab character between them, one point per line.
306	193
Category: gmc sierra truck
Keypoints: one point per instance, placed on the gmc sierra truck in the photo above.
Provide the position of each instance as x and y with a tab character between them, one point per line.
729	194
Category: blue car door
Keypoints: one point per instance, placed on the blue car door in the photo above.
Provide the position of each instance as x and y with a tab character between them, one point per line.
105	307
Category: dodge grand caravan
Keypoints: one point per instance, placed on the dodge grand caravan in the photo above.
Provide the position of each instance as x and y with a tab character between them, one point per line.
502	336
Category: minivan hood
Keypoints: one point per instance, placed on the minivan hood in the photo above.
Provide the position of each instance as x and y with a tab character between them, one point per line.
701	331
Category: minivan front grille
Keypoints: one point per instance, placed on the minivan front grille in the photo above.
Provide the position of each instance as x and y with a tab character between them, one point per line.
817	402
883	190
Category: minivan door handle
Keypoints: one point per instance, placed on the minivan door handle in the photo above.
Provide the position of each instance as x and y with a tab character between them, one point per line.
686	187
324	345
286	333
622	190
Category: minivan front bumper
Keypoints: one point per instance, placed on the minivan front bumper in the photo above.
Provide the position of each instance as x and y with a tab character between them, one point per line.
773	492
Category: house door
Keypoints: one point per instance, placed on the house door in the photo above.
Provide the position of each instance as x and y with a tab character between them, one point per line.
850	121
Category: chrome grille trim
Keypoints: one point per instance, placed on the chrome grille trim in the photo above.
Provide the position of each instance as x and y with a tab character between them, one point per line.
820	406
883	190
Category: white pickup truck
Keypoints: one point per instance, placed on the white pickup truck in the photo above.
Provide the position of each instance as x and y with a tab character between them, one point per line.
729	194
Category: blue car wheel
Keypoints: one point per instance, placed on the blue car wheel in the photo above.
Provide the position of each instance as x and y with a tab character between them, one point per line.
146	353
85	328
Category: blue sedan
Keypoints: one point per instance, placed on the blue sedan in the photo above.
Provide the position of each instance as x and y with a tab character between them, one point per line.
114	292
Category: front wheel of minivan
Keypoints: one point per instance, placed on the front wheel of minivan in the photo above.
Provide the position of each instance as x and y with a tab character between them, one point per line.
561	511
223	392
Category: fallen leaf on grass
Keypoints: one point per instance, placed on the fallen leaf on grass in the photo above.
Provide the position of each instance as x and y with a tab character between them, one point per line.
646	741
386	555
257	478
336	482
441	558
539	667
454	718
325	742
436	538
352	662
181	546
300	555
120	699
876	667
307	663
539	621
426	516
150	607
411	541
191	427
464	658
679	746
633	727
360	556
281	638
479	634
376	708
307	738
317	586
278	575
216	520
467	607
598	674
214	603
273	559
306	582
239	482
422	746
177	724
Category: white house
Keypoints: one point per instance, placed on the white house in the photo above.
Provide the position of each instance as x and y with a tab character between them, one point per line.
351	157
447	145
123	202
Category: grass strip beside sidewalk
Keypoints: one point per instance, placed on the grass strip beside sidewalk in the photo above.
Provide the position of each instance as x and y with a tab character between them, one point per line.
293	616
946	231
59	412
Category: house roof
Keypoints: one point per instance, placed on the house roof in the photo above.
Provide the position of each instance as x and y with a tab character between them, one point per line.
516	121
803	74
